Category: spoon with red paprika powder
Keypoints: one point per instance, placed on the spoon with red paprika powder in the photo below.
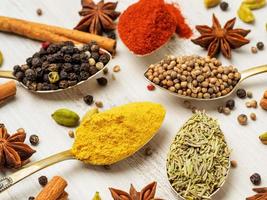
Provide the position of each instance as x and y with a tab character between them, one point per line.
146	26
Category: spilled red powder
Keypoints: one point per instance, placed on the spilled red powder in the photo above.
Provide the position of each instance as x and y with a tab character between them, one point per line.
148	24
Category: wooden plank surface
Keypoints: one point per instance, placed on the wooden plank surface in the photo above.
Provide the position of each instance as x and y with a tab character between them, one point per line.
32	112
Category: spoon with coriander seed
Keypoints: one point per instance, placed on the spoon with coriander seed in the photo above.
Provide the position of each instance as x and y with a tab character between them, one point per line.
103	138
60	66
198	78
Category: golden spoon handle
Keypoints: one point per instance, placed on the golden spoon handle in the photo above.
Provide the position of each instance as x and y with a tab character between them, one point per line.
253	71
31	168
7	74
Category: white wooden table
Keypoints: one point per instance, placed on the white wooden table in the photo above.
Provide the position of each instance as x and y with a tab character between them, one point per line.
32	112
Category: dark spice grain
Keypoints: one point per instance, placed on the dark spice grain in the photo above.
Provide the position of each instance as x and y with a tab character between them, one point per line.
255	179
43	180
224	6
88	99
34	140
241	93
102	81
260	45
31	198
230	104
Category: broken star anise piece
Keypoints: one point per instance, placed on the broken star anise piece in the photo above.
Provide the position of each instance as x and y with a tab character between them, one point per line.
147	193
13	151
218	38
97	18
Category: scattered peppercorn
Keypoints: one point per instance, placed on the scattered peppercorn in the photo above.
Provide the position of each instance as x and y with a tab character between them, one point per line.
34	140
252	104
102	81
226	111
99	104
42	180
260	45
220	109
241	93
233	164
105	71
253	116
71	133
249	94
224	6
148	151
230	104
111	34
31	198
242	119
116	68
88	99
150	87
39	12
255	179
254	50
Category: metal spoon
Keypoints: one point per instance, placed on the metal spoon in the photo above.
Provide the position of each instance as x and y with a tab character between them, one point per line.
9	75
244	75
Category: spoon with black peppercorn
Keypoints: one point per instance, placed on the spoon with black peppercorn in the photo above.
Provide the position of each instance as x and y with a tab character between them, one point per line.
60	67
198	78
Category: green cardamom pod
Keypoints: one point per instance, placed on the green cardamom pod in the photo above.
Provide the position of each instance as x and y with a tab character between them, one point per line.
66	117
263	138
97	196
245	14
1	58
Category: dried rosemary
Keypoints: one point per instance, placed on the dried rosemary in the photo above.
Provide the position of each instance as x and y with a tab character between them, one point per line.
198	161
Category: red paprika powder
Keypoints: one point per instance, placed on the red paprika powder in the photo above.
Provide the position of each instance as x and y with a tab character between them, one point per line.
147	25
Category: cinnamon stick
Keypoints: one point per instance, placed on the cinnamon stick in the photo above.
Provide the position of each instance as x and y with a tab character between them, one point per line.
50	33
63	196
7	90
53	190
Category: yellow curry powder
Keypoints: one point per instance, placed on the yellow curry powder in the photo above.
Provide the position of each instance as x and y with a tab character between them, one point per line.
104	138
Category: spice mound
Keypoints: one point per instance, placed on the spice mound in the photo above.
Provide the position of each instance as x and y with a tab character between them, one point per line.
198	161
147	25
13	151
104	138
61	65
194	76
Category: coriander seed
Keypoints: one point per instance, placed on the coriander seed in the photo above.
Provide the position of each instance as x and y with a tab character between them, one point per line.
254	50
34	140
42	180
233	163
71	133
260	45
249	94
242	119
226	111
255	179
116	68
253	116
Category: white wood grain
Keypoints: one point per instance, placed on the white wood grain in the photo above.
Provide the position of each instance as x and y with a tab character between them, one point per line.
33	111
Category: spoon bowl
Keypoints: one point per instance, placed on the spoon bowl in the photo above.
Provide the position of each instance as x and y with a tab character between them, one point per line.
244	75
9	75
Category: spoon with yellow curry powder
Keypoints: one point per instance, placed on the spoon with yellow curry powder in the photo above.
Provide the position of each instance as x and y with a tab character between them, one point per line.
103	138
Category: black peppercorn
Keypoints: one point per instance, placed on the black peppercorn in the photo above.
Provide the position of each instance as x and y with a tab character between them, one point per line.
30	74
63	84
76	58
255	179
85	67
42	52
53	48
72	83
67	67
76	68
16	69
45	78
34	140
102	81
230	104
39	72
86	47
104	58
95	56
19	76
36	62
241	93
224	6
31	198
72	76
111	35
68	43
42	180
89	99
67	58
260	45
36	55
43	59
84	75
76	50
93	70
63	74
29	61
84	57
95	48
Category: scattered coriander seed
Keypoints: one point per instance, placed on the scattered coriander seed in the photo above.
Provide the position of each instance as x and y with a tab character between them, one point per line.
241	93
230	104
224	6
34	140
255	179
150	87
71	133
107	167
21	130
253	116
148	151
248	104
233	163
254	50
249	94
99	104
42	180
226	111
31	198
220	109
88	99
116	68
254	103
39	12
105	71
242	119
102	81
260	45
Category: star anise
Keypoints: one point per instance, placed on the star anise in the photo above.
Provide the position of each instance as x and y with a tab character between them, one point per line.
97	18
218	38
147	193
13	151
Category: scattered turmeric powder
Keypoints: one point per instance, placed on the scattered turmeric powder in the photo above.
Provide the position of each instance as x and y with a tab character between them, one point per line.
104	138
